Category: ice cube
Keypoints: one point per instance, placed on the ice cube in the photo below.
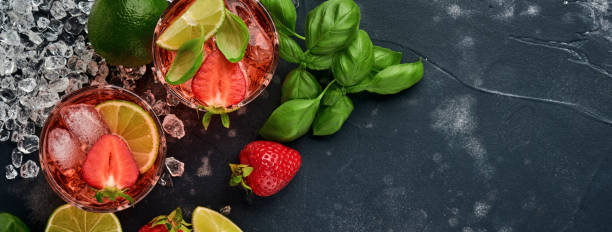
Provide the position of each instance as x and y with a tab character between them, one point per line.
149	97
84	122
174	166
57	10
85	6
15	136
10	124
4	135
92	68
65	148
165	180
29	169
16	157
42	23
35	37
173	126
37	3
54	62
28	144
10	172
171	98
7	95
226	210
58	85
27	85
73	26
160	108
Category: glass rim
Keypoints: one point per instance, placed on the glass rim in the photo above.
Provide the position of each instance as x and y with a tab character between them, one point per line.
248	99
57	187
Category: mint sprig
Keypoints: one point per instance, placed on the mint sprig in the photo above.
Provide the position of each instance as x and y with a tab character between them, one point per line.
334	42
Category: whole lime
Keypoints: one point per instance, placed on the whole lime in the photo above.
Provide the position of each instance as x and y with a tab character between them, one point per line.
121	31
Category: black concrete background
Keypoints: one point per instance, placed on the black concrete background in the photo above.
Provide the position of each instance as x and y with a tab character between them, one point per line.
508	131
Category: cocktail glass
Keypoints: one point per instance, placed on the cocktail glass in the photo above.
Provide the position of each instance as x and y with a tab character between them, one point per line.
67	182
259	62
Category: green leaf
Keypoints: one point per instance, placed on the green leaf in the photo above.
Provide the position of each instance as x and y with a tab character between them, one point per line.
331	118
247	171
318	62
282	11
234	181
292	119
300	84
11	223
232	37
384	57
334	94
206	120
290	50
331	26
354	64
187	61
396	78
225	120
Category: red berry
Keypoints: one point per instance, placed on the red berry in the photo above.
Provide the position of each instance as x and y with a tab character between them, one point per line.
218	82
110	163
274	165
157	228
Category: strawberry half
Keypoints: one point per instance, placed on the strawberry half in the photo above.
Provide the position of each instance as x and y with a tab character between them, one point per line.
267	166
110	168
218	84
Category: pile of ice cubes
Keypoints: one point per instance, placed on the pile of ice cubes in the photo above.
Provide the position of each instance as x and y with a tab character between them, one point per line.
44	54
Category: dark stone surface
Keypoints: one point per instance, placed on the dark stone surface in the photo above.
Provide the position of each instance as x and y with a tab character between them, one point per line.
508	131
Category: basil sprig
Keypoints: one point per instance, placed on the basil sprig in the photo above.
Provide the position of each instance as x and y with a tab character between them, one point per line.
333	42
9	222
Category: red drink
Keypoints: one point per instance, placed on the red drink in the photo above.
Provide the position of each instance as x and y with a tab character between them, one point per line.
64	145
258	64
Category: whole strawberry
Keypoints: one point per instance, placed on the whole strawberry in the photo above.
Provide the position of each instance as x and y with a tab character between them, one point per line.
267	166
171	223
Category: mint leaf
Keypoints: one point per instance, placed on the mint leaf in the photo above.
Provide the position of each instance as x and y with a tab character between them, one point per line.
233	37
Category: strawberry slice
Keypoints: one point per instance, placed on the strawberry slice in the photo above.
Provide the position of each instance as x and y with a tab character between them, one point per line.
219	83
110	168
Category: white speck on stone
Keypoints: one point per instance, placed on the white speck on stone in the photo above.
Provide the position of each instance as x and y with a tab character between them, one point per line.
507	13
231	133
532	10
453	222
369	125
437	157
205	169
454	11
467	229
505	229
329	153
454	116
466	42
481	209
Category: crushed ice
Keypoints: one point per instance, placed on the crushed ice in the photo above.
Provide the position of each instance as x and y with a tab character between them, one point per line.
174	166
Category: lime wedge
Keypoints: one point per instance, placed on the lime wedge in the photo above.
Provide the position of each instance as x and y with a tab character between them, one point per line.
233	37
205	220
187	61
69	218
136	127
208	13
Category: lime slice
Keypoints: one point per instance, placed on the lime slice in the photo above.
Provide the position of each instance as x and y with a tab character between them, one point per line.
69	218
188	60
208	13
205	220
136	126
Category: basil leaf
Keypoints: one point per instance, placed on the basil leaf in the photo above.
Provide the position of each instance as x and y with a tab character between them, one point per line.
331	26
282	11
384	57
353	65
8	222
334	93
290	120
232	37
331	118
396	78
187	61
300	84
290	51
318	62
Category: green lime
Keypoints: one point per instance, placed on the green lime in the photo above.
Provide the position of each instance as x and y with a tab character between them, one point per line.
205	220
207	13
136	127
121	31
69	218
